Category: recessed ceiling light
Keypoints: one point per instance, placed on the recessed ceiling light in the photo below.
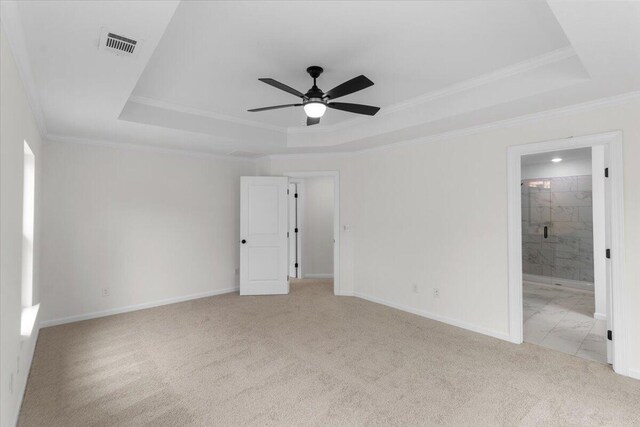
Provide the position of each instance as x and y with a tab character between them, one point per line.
556	160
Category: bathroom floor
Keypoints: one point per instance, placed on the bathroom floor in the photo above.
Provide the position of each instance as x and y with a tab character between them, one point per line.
562	320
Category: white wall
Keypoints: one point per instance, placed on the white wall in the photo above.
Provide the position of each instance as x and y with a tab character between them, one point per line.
148	226
317	227
435	214
557	170
16	125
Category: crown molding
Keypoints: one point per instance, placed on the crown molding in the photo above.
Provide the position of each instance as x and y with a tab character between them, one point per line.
500	74
301	156
12	27
548	114
557	112
553	113
484	79
147	148
203	113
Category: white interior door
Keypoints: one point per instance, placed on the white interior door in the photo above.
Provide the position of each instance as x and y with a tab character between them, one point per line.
263	235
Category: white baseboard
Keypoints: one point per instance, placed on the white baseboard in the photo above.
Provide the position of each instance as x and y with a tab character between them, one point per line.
345	294
438	317
599	316
317	276
634	373
135	307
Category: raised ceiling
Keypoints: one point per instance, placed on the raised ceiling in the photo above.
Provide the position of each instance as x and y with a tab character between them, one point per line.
212	53
437	67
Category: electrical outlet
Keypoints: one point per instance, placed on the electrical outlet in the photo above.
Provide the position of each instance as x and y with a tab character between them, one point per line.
415	288
106	292
436	293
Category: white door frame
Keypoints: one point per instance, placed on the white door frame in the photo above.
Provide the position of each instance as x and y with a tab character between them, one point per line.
336	218
613	142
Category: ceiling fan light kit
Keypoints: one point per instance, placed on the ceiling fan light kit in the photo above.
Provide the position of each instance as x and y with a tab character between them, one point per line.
315	109
315	101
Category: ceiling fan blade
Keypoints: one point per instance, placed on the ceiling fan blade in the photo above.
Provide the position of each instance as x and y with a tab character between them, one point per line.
282	86
354	108
350	86
313	121
275	107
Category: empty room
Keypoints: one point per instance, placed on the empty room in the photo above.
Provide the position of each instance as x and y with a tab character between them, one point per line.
285	213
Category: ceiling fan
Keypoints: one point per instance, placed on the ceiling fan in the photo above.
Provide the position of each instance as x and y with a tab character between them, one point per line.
315	101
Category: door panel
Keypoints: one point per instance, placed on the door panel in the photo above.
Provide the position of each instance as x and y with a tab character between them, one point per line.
263	209
263	236
263	263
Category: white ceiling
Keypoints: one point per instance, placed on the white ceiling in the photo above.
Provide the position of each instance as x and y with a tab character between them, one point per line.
437	67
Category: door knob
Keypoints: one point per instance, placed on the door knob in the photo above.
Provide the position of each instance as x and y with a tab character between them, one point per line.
244	241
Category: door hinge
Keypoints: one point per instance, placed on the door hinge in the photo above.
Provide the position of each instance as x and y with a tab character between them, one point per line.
296	229
287	191
295	195
296	265
608	253
287	234
606	172
610	335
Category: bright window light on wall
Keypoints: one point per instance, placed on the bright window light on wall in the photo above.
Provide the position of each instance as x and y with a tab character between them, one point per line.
556	160
28	319
29	311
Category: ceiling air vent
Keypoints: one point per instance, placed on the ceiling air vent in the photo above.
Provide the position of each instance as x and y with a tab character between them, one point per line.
117	44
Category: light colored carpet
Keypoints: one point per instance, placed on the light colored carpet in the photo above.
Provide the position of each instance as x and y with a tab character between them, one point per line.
308	358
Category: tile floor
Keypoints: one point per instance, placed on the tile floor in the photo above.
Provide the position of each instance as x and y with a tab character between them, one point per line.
562	320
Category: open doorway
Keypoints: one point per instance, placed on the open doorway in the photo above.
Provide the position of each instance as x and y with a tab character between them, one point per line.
313	227
564	306
566	249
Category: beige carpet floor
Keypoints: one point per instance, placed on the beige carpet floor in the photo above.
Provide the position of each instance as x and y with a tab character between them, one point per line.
308	358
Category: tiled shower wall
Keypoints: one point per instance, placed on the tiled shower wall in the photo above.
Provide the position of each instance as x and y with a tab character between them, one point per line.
564	205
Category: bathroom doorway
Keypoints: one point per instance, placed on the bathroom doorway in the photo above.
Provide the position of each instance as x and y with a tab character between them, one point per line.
563	309
559	261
